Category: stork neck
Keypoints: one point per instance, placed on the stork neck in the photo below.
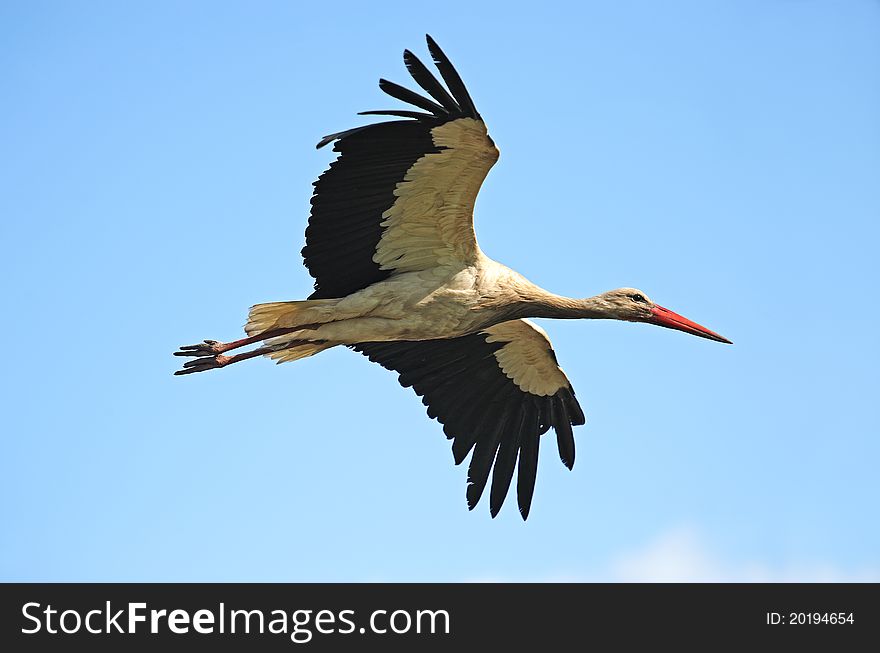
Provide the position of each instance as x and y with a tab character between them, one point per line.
556	306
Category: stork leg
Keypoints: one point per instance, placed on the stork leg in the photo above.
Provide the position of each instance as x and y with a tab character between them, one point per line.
213	347
216	361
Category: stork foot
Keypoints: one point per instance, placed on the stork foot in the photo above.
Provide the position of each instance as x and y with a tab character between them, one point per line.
203	363
206	348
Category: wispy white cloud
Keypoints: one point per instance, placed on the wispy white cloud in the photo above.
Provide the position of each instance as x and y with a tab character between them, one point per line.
682	555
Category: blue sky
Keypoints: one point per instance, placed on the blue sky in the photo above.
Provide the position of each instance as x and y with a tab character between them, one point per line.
157	161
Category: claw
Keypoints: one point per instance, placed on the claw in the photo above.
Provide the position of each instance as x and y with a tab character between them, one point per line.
207	348
203	364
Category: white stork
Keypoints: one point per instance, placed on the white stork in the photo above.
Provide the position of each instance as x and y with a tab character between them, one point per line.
400	278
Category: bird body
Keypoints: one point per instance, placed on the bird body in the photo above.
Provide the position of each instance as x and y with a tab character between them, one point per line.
400	278
441	302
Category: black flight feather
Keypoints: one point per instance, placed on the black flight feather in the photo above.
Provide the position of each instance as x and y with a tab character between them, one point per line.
428	82
505	461
400	113
411	97
481	461
526	474
564	434
332	137
453	81
573	407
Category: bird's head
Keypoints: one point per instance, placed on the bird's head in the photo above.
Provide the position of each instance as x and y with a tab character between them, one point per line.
633	305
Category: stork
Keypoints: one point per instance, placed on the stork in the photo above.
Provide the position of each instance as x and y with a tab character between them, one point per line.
399	277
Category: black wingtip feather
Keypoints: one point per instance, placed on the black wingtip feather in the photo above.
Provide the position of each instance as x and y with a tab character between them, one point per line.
411	97
338	135
526	475
502	473
452	79
428	82
564	433
574	408
450	105
418	115
481	462
324	141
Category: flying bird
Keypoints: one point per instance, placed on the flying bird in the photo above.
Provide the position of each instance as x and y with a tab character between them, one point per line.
399	277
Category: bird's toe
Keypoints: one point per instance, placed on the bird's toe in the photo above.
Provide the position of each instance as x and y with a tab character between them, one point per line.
206	348
203	364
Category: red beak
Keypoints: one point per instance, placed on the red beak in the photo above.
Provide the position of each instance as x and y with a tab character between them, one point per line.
666	318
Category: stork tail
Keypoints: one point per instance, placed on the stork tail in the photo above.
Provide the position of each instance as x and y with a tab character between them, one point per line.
284	315
299	351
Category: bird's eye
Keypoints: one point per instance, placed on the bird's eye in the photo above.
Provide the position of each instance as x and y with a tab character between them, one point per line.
638	298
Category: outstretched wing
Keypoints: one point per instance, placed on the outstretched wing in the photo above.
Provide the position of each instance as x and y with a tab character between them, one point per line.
400	197
495	392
